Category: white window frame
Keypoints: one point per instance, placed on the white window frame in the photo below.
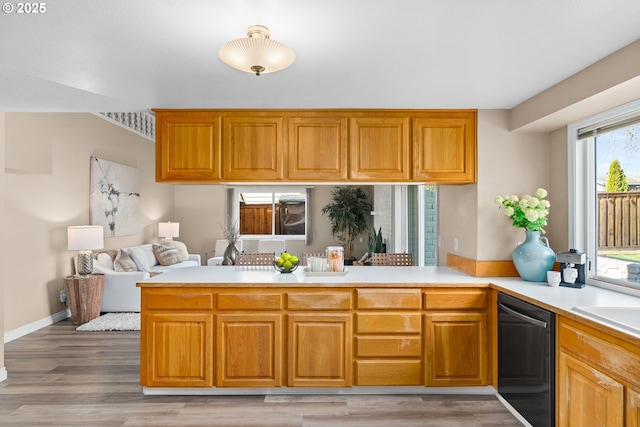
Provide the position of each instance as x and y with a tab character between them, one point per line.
582	231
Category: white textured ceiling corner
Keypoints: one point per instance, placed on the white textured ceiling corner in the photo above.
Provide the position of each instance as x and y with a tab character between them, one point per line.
123	55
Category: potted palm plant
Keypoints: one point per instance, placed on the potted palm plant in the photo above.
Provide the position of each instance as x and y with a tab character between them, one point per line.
347	212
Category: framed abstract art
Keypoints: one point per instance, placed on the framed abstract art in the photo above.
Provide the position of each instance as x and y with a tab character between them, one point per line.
115	197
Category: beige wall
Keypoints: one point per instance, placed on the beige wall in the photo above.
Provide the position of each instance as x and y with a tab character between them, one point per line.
41	202
201	209
3	264
508	163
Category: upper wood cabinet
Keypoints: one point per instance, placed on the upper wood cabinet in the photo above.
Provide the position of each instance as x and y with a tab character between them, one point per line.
379	148
317	148
187	146
252	148
444	147
208	146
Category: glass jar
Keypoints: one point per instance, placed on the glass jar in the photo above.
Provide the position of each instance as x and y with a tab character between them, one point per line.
335	259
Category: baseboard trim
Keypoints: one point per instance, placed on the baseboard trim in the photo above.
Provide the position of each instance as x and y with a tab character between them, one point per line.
34	326
477	268
355	390
3	374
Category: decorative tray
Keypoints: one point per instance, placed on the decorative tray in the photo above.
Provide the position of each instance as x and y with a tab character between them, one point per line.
325	273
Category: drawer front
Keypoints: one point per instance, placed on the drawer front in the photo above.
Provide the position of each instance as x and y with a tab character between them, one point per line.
608	356
455	299
398	299
388	323
319	301
177	300
230	301
410	346
388	372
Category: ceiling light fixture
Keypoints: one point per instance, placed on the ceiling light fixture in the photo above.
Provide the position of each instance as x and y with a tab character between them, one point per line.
257	53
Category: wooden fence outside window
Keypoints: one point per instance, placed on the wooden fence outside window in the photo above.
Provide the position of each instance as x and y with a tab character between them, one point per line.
619	220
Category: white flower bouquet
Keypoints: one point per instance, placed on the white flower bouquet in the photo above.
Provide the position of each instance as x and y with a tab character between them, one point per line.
528	212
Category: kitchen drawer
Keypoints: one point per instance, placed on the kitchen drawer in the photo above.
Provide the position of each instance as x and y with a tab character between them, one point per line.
435	299
384	346
319	301
399	299
388	372
160	299
388	323
257	301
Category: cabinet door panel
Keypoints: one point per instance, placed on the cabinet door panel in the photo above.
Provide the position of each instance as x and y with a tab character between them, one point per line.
444	147
319	350
253	148
187	146
178	350
317	148
379	148
587	397
455	349
249	349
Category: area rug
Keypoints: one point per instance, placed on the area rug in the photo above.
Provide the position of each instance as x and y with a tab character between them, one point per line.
112	322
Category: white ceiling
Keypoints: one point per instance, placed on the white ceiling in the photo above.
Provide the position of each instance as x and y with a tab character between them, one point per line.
129	55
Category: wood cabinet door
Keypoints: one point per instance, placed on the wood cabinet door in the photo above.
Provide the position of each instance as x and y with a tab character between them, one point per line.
444	148
252	148
456	349
319	350
177	350
586	396
249	350
379	148
317	148
187	146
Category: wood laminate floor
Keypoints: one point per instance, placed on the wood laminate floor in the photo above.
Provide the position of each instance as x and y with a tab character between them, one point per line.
61	377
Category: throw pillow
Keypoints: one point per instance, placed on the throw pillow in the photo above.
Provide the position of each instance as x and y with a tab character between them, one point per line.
105	260
166	254
123	262
183	253
143	256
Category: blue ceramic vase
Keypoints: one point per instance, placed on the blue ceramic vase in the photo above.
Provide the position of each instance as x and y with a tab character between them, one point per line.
533	257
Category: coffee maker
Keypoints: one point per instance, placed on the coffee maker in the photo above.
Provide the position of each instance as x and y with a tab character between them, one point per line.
573	268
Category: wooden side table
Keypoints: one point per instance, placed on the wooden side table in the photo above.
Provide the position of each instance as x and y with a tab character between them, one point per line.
84	296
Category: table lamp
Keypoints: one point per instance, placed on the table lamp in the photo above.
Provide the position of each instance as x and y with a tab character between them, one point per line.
85	238
168	230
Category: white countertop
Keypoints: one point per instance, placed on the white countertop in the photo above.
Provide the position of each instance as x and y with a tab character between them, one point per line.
553	298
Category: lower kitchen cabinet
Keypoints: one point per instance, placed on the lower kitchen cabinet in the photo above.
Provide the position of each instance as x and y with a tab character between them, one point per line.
456	349
178	350
321	337
599	399
249	350
598	377
319	350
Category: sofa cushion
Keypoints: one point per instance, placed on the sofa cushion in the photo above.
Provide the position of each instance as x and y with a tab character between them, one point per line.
105	260
143	257
165	268
183	252
166	254
123	262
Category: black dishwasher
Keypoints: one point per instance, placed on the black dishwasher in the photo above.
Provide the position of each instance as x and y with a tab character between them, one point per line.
526	359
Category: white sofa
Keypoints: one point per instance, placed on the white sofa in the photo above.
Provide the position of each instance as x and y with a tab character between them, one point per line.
120	291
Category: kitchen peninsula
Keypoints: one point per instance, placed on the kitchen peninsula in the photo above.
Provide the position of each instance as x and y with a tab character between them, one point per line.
252	330
252	327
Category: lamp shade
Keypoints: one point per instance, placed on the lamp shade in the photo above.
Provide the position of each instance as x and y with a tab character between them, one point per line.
257	53
85	237
168	229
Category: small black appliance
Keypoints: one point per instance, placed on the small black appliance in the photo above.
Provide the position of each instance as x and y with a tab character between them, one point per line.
573	268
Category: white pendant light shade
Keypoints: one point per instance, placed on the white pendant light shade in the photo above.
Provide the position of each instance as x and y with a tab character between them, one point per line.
257	53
